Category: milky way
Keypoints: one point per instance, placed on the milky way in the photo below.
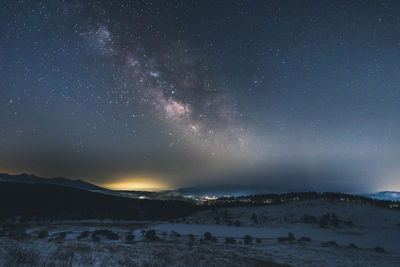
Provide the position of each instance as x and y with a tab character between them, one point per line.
177	87
296	95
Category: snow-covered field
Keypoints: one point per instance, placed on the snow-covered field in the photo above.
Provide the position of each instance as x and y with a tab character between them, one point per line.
320	239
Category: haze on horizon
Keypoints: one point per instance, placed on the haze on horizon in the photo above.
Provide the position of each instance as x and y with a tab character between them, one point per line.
296	95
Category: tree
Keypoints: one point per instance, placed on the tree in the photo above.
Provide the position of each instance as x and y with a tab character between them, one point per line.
324	221
129	238
151	235
334	220
43	234
290	236
254	218
207	236
230	240
191	238
247	239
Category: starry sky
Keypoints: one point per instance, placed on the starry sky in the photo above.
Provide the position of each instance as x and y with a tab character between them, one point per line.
294	95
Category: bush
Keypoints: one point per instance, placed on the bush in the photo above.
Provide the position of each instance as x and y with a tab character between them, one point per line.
18	234
282	239
84	234
214	239
43	234
62	235
237	223
349	223
22	257
129	238
290	237
258	240
305	239
254	218
207	236
175	234
351	245
151	235
191	238
309	219
379	249
330	244
334	220
230	240
247	239
324	221
106	233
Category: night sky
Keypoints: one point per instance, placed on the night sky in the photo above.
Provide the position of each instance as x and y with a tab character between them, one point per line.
295	95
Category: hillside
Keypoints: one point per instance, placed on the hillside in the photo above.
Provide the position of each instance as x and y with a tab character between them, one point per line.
33	179
45	201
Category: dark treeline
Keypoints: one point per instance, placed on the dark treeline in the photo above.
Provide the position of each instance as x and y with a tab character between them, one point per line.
51	202
274	199
31	202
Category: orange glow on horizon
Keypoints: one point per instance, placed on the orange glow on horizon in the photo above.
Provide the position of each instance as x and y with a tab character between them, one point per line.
137	184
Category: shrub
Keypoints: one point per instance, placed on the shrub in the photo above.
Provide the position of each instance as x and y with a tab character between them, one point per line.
62	235
334	220
247	239
237	223
282	239
43	234
351	245
22	257
214	239
18	234
191	238
258	240
349	223
254	218
324	221
379	249
84	234
13	231
290	236
309	219
305	239
106	233
230	240
175	234
129	238
151	235
330	244
207	236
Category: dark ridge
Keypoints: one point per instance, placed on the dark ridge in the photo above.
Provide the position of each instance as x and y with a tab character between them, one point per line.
33	179
53	202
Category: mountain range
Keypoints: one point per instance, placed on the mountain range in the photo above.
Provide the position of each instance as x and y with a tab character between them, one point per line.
186	194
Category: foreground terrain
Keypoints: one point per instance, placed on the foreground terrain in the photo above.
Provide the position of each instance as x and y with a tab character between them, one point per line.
298	233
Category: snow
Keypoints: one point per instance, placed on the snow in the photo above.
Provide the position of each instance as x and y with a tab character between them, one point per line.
372	227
